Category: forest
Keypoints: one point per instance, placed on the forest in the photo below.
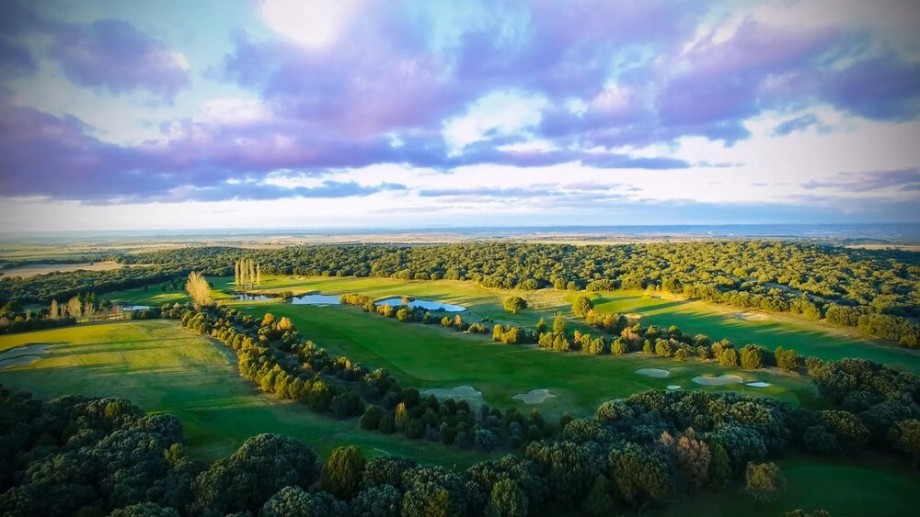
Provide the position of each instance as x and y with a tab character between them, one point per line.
652	449
81	456
875	291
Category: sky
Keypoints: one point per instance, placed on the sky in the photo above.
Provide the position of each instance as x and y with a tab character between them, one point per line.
131	115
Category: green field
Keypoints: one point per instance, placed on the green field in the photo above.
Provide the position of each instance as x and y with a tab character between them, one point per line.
428	356
844	488
693	317
162	367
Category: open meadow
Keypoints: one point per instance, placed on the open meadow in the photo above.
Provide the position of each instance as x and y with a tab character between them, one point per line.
164	368
430	357
741	327
692	317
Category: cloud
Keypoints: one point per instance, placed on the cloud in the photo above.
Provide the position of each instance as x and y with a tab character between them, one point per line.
108	55
499	113
16	60
114	56
312	23
903	179
613	88
800	123
727	81
261	191
881	88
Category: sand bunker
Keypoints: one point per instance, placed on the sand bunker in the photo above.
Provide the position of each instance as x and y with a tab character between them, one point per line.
759	384
750	316
467	393
22	355
634	316
534	396
673	386
653	372
718	381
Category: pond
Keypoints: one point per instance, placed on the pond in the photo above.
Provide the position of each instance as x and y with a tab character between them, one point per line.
429	305
247	297
316	299
132	308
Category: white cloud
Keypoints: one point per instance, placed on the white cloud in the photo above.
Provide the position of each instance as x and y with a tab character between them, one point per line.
310	23
499	113
576	106
612	99
233	111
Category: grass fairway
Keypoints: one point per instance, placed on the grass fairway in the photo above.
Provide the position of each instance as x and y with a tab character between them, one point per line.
164	368
693	317
844	488
770	330
428	356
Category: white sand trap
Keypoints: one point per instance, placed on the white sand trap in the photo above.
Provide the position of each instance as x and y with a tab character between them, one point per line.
534	396
759	384
22	355
673	386
467	393
718	381
634	316
750	316
653	372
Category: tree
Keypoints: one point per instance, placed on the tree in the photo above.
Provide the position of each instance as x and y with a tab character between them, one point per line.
558	324
752	357
581	306
262	466
905	436
599	500
850	432
514	304
371	418
294	501
377	501
342	472
729	358
198	289
54	312
507	500
764	481
541	326
641	476
75	308
693	459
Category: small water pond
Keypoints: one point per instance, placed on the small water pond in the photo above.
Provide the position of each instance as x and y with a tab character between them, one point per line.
248	297
316	299
132	308
428	305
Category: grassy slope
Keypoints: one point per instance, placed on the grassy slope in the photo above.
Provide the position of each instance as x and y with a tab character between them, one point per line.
428	356
844	488
164	368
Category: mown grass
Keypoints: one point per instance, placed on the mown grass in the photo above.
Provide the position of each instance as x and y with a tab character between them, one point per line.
428	356
692	317
162	367
845	488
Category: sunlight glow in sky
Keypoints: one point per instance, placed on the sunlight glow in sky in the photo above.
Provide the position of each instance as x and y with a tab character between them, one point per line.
313	113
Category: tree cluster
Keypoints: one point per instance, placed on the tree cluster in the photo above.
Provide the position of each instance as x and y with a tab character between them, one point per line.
879	405
840	284
247	273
